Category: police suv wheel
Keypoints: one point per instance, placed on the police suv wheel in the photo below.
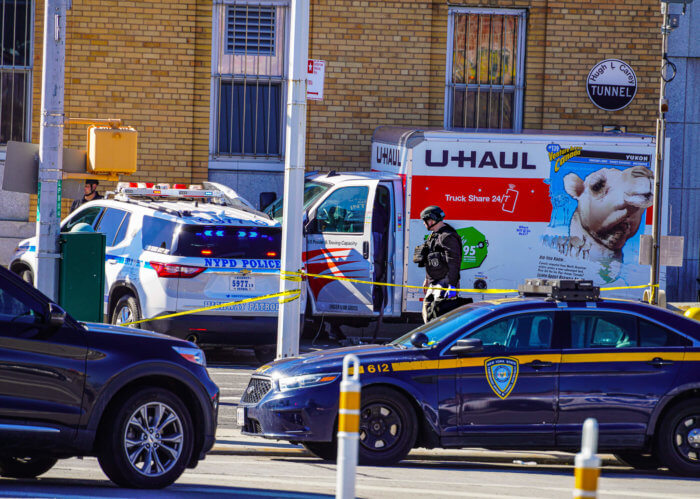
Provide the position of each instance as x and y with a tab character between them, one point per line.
27	276
388	427
126	310
679	439
147	440
25	467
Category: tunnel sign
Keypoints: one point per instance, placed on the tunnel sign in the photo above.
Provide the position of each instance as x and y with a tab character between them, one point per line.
611	84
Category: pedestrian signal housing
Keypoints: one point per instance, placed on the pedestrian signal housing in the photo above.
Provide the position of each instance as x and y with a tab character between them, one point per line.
111	150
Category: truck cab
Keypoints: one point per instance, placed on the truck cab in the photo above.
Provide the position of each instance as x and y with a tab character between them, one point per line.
353	228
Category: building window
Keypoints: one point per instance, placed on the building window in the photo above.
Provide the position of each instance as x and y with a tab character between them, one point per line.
15	69
249	80
485	69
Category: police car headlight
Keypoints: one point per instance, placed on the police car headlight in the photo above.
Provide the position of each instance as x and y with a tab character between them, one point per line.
306	381
192	354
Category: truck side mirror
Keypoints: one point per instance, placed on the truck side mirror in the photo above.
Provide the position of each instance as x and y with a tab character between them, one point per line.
466	346
311	226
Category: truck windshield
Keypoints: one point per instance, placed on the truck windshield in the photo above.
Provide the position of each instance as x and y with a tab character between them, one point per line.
312	191
439	329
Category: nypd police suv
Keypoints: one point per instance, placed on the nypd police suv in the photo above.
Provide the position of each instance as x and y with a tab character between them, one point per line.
181	249
518	373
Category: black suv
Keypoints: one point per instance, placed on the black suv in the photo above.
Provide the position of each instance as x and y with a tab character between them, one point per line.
141	402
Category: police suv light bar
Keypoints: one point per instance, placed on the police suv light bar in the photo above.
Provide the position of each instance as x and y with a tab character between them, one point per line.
560	289
179	191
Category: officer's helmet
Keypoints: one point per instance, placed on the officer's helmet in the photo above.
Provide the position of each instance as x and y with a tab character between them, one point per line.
432	213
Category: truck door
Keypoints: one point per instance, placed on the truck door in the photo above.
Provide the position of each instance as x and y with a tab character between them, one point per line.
339	244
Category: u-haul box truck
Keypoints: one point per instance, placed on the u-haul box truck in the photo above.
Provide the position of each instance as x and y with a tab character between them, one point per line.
549	205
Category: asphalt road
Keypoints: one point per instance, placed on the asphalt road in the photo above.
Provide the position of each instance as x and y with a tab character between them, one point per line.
307	477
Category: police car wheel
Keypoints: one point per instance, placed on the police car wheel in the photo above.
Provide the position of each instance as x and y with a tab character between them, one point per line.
126	310
638	461
388	427
679	439
328	451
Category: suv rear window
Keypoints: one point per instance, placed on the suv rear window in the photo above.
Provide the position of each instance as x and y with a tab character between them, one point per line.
211	241
229	242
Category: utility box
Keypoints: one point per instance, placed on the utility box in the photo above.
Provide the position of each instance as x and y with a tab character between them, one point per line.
111	150
81	278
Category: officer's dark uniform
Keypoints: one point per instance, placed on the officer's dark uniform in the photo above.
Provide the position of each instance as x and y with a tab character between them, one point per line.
444	257
441	255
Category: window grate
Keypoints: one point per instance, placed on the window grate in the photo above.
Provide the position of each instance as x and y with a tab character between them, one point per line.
15	69
250	30
484	87
250	82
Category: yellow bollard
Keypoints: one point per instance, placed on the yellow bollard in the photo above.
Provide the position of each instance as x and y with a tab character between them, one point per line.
348	429
587	463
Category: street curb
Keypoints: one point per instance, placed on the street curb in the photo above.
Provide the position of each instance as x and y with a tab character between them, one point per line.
422	455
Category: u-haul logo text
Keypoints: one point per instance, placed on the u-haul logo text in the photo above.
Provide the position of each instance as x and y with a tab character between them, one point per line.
388	156
473	159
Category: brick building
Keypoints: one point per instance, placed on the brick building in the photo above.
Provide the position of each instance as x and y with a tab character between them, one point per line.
203	81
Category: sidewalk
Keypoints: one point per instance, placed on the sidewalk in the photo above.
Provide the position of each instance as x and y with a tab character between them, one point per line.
232	442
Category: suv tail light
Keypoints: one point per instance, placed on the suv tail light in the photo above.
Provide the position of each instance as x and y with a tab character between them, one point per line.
174	270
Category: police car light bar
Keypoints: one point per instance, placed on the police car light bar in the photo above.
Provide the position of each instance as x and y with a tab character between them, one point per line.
147	189
561	289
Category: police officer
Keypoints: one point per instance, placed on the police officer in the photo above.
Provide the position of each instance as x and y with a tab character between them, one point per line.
441	255
90	194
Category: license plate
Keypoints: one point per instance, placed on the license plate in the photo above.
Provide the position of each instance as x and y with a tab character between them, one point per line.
240	416
242	283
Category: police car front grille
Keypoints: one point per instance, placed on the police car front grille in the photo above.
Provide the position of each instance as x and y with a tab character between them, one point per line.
257	388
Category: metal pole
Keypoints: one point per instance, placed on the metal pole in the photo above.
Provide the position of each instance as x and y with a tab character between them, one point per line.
348	428
289	323
658	164
48	217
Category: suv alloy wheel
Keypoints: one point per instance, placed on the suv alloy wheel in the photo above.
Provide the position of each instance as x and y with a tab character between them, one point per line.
147	440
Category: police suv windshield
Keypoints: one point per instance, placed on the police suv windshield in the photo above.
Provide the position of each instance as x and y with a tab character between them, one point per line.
312	191
445	325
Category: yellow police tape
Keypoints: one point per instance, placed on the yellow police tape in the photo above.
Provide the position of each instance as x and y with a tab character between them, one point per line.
298	276
283	297
287	296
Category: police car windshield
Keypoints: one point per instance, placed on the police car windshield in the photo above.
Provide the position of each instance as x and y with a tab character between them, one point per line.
312	191
446	325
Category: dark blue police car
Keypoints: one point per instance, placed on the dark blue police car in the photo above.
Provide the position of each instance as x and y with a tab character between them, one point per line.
520	373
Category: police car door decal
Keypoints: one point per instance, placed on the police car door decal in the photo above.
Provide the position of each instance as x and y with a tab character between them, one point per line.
502	374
